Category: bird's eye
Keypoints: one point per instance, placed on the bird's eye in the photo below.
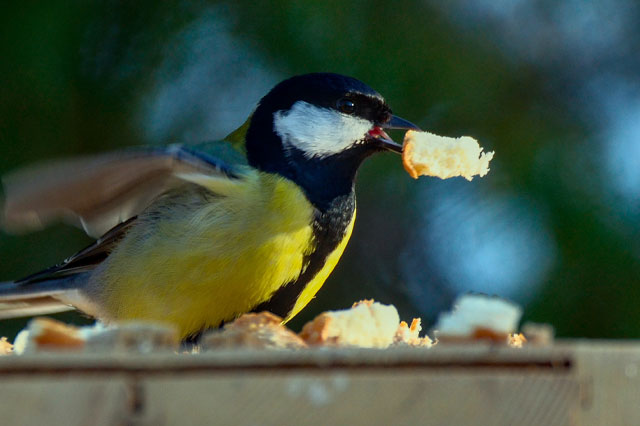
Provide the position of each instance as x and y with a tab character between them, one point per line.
346	106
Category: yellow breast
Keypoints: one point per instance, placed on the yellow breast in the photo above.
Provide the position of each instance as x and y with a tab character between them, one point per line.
196	264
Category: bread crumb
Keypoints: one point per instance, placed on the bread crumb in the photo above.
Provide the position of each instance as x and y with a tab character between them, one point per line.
538	334
366	302
367	324
262	330
6	348
131	336
479	317
516	340
427	154
410	334
48	334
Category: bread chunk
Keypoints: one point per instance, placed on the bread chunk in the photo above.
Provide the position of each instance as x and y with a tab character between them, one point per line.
6	348
479	317
432	155
367	324
262	330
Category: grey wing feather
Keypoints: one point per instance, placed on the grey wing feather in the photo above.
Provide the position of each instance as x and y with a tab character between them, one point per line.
99	192
83	261
44	297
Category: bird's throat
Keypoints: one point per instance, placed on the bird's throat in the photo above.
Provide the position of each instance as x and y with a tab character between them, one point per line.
323	179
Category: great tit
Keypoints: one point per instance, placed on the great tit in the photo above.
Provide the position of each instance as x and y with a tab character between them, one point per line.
198	235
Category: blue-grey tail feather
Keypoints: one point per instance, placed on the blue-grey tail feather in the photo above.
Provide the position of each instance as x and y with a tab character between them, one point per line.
19	299
18	290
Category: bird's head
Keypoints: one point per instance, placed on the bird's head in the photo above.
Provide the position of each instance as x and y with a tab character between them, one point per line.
316	129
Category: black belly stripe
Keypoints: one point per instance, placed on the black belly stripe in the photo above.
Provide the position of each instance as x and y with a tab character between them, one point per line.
329	228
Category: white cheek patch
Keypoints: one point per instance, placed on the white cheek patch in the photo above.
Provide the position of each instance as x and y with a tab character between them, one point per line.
318	132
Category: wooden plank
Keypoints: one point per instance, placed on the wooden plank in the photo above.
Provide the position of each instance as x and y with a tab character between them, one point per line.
571	383
371	398
609	373
37	401
459	356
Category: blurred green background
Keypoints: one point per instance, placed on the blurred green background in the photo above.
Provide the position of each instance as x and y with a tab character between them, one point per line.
552	87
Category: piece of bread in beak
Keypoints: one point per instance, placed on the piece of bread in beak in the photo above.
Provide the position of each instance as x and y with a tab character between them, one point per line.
432	155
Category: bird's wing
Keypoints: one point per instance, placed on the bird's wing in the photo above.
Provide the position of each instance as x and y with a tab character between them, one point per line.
84	260
102	191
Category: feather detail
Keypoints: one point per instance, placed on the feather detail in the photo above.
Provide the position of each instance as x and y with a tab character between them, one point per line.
217	184
99	192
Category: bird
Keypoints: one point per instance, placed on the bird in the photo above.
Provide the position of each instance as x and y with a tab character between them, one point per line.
197	235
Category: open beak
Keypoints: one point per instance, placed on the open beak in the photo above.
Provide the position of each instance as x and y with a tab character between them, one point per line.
384	140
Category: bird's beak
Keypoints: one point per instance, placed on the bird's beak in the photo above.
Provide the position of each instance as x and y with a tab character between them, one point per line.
384	140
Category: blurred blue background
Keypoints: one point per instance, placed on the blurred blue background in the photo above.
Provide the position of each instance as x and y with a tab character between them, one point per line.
552	87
